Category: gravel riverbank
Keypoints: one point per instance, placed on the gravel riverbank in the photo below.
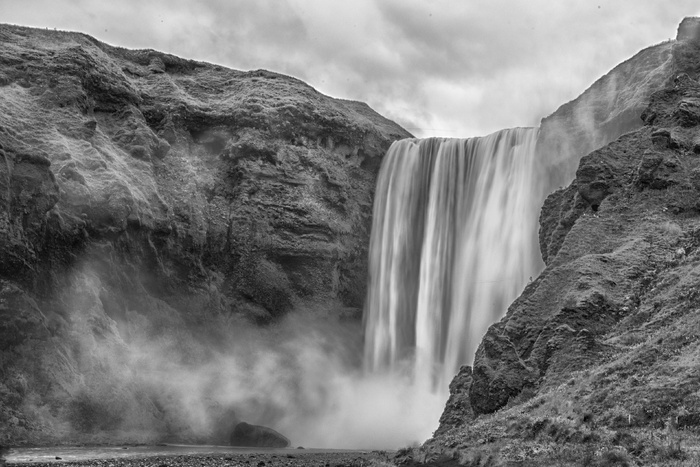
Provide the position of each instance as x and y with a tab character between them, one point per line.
276	458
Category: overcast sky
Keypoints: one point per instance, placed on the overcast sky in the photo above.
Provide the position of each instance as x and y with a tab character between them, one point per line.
439	68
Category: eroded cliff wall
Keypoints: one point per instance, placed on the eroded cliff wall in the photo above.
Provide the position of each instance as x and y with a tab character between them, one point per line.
148	198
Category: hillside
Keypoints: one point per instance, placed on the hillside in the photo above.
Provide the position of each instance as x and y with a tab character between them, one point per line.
596	362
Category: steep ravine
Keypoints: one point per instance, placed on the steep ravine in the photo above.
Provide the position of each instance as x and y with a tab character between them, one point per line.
596	362
152	205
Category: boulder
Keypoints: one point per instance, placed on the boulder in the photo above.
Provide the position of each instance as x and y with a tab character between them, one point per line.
257	436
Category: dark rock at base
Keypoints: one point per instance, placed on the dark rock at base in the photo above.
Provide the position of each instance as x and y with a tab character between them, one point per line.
458	409
498	374
257	436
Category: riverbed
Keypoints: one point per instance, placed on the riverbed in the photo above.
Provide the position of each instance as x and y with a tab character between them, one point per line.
192	455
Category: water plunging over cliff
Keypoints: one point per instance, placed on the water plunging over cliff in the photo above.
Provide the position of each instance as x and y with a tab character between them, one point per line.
454	241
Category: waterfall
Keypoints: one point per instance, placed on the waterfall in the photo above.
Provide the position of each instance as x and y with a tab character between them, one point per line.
454	241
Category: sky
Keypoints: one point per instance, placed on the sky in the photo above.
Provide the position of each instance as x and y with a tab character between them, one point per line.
457	68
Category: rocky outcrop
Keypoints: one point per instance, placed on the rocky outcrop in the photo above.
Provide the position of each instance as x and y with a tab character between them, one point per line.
689	29
588	274
257	436
145	196
594	355
609	108
252	176
458	409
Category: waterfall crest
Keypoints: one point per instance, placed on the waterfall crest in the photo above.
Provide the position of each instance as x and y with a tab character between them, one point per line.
454	241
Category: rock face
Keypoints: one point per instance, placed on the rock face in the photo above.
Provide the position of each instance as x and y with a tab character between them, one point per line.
256	436
458	409
689	29
517	351
142	193
597	351
609	108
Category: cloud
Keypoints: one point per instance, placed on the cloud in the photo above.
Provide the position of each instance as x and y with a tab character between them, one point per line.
440	67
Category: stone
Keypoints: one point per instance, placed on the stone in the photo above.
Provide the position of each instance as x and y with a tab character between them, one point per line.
499	373
458	409
665	139
258	436
656	171
689	29
688	112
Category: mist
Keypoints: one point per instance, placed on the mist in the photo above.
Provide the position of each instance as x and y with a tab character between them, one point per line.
438	68
140	365
147	375
133	363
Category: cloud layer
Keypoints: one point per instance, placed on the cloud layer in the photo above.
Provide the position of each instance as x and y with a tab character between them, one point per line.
438	67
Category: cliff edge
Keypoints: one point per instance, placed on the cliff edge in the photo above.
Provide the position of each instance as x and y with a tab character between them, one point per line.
594	364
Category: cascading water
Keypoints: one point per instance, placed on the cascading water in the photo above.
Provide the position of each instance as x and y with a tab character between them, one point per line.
454	241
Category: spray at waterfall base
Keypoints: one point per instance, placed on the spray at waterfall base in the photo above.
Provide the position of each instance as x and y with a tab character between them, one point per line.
453	243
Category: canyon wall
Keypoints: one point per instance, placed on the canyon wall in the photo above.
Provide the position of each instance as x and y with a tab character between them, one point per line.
153	199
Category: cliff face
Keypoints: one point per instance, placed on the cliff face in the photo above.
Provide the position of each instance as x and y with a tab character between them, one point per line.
597	356
143	195
609	108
